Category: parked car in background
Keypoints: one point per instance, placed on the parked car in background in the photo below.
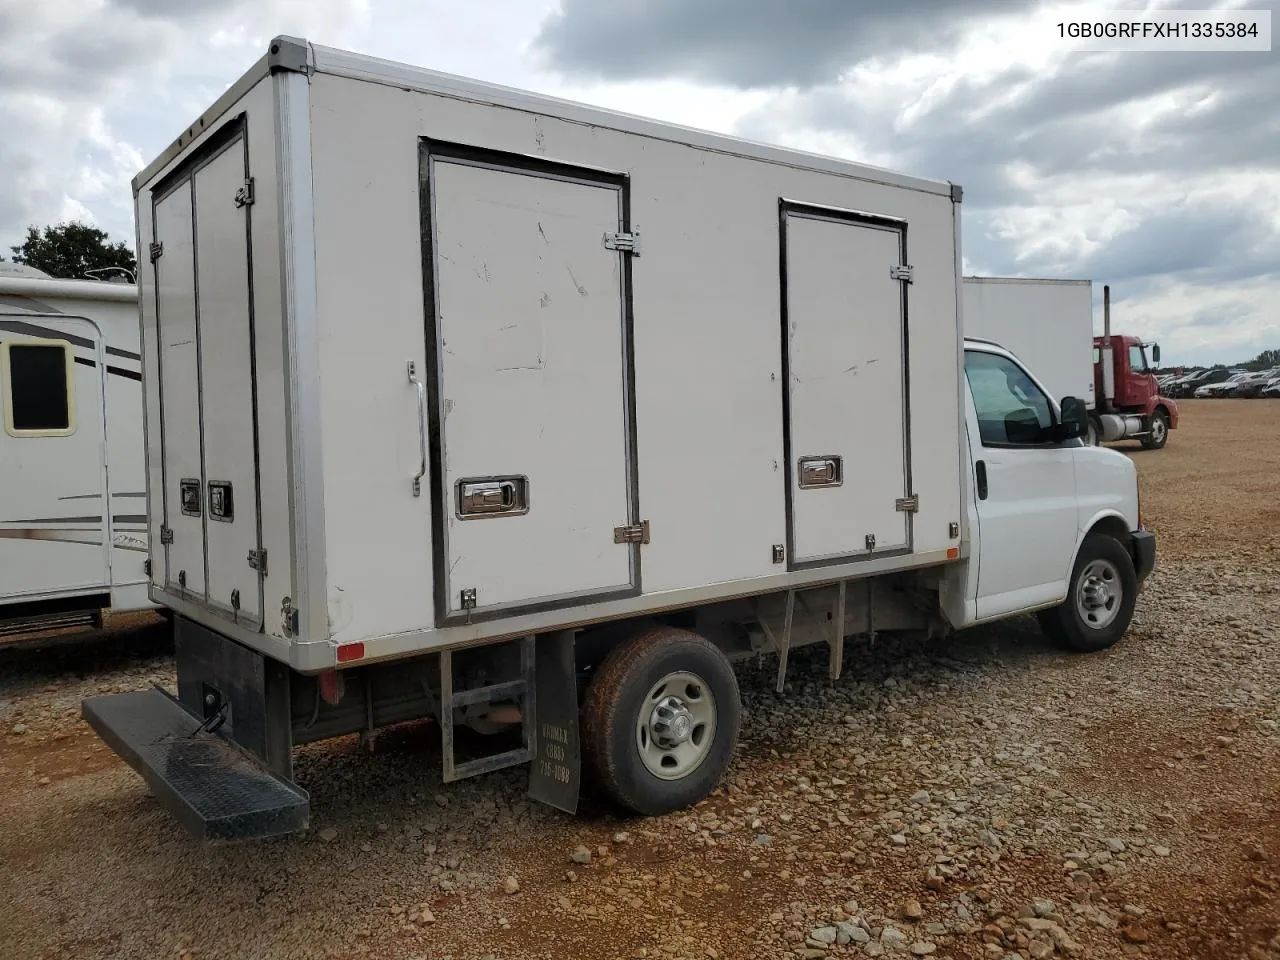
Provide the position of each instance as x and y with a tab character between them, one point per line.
1177	386
1251	386
1220	389
1272	389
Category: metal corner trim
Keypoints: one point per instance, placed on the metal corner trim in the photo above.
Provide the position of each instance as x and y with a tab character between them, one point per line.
957	193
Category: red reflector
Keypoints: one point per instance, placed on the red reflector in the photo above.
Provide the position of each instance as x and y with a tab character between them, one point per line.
350	651
953	552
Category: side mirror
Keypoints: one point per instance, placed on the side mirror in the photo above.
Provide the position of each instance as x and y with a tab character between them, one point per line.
1155	354
1075	419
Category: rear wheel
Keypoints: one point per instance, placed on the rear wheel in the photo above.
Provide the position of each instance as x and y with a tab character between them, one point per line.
1100	598
660	720
1158	433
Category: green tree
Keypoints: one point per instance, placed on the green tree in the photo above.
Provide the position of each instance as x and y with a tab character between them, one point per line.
1264	361
70	250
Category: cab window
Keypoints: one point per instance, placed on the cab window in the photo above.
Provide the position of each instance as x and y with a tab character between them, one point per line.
1137	359
1012	410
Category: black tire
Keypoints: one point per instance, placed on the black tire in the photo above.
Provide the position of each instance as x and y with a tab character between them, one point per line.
1067	626
1159	434
614	705
1093	434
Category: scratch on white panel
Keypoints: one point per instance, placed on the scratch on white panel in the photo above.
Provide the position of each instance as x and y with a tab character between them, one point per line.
544	301
582	291
540	365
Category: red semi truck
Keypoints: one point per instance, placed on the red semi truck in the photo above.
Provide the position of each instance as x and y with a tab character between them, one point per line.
1128	404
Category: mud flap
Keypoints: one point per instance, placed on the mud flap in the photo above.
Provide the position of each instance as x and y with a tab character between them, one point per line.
555	775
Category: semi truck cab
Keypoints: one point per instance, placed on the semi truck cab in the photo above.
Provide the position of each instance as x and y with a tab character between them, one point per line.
1129	404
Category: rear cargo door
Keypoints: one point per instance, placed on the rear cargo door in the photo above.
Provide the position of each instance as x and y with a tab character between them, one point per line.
207	382
532	395
183	530
844	319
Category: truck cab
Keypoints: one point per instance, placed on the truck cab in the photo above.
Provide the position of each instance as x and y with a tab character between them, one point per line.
1129	404
1055	522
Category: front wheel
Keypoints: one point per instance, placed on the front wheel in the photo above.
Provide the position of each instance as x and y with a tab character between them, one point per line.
1158	433
1093	433
660	720
1100	598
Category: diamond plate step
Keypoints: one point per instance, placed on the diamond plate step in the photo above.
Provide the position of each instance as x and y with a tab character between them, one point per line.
213	788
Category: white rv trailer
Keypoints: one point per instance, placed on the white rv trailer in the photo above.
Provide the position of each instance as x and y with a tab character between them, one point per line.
73	533
470	404
1048	324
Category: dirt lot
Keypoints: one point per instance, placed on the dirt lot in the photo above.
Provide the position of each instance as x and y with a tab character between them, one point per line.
987	797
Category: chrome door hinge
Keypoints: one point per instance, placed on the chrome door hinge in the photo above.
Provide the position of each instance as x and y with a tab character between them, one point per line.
258	560
166	534
288	617
626	242
871	541
244	196
635	533
156	251
901	271
909	504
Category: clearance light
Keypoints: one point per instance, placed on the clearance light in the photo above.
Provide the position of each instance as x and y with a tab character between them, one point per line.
350	651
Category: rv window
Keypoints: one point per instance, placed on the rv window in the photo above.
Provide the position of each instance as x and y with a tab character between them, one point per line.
38	382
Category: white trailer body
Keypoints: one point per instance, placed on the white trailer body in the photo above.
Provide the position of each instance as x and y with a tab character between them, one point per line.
73	511
461	401
573	385
1048	324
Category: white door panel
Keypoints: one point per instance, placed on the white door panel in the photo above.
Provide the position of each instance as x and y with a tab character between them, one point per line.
226	366
207	388
1026	489
52	503
532	385
845	382
179	392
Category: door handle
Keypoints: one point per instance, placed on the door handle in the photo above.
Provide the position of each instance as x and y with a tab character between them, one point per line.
980	468
422	428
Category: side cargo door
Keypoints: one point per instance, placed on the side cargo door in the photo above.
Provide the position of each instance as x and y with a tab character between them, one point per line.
533	454
845	400
208	405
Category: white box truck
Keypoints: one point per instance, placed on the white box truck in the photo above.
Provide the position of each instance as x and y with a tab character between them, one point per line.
1047	324
73	526
478	406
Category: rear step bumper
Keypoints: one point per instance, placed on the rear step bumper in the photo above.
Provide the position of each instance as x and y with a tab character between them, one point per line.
214	789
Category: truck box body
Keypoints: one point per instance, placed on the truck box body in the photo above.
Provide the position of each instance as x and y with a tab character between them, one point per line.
1047	323
72	523
431	362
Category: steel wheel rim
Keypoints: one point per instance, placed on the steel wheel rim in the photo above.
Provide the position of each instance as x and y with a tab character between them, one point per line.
1157	429
1099	594
676	725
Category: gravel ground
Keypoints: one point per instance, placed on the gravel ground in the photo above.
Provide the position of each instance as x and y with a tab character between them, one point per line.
986	797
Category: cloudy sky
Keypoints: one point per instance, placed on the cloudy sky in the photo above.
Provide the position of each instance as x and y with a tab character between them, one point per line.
1158	173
